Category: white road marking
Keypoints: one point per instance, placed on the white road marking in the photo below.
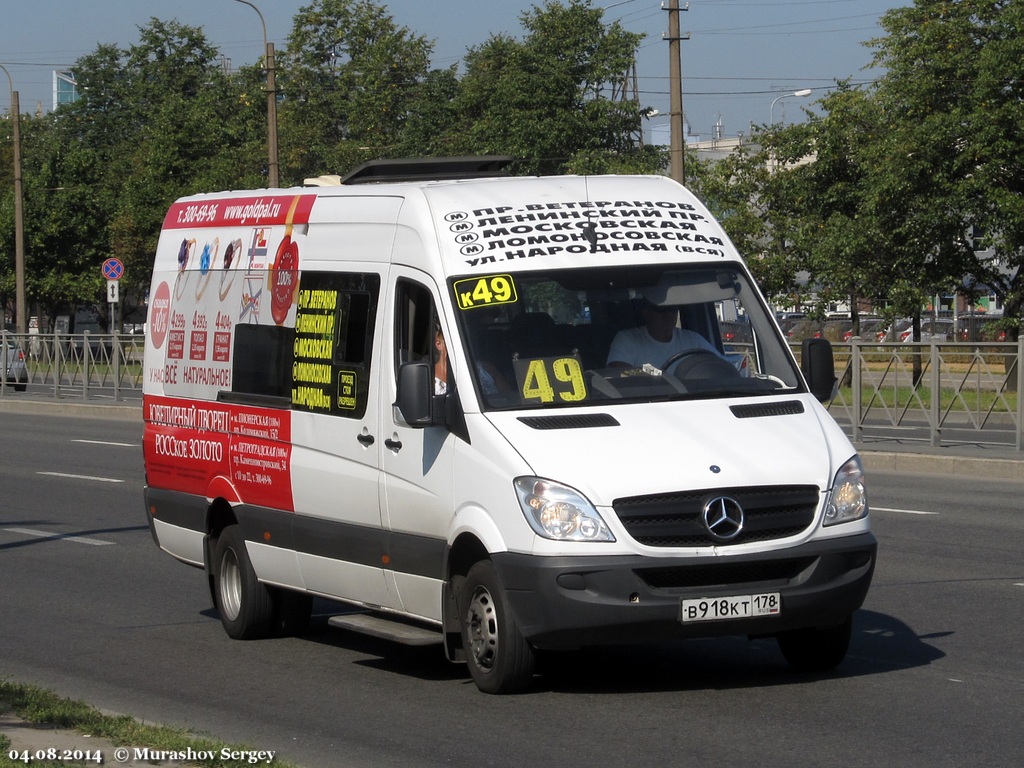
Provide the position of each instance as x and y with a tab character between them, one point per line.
902	511
82	477
62	536
107	442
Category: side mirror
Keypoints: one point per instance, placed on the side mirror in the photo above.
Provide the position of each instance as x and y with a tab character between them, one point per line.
420	407
819	367
416	393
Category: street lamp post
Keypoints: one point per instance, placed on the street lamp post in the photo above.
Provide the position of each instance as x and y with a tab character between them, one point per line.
21	316
801	93
273	179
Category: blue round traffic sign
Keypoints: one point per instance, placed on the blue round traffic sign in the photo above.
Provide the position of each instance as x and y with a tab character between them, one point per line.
113	269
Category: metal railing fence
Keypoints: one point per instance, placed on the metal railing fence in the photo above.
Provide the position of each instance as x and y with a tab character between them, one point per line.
79	365
935	393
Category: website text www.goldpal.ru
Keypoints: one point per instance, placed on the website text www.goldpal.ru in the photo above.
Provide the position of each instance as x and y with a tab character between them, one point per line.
190	755
253	211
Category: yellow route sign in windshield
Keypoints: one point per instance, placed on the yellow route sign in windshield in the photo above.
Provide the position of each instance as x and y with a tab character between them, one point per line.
551	379
484	291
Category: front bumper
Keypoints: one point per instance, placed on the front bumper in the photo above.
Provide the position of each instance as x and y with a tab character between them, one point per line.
569	602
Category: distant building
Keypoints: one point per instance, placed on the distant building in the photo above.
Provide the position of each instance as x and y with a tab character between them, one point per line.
65	88
716	148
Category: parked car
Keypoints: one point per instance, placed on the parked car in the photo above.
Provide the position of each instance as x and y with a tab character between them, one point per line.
806	328
894	331
979	328
736	332
871	329
13	360
833	329
940	329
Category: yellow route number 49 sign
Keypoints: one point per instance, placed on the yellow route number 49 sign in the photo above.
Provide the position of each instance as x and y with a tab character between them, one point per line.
484	291
551	379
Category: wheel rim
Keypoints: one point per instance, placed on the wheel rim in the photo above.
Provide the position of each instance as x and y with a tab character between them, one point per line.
230	585
482	623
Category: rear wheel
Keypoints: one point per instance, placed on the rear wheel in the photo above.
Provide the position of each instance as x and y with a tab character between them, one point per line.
245	605
499	658
815	649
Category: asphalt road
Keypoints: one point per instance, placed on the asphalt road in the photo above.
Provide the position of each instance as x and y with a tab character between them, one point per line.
90	608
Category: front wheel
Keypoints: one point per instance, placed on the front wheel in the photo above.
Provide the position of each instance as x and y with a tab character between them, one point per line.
499	658
245	605
814	649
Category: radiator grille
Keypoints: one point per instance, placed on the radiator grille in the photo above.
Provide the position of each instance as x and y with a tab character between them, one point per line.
675	519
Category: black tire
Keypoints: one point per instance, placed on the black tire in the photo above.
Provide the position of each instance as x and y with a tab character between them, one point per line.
816	650
245	605
499	658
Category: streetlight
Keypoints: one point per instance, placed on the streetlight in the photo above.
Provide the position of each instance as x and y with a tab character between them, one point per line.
21	317
801	93
268	47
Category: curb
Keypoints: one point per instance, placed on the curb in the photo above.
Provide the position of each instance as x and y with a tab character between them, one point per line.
924	463
125	411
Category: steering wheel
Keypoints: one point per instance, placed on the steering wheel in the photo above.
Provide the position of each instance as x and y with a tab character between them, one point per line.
714	365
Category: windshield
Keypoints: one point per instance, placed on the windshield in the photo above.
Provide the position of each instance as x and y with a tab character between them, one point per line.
619	334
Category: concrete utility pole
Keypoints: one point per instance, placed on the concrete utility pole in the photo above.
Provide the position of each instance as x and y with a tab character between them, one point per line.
21	315
273	171
677	141
273	178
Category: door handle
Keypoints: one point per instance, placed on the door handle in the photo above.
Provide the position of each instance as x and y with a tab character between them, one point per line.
394	445
366	440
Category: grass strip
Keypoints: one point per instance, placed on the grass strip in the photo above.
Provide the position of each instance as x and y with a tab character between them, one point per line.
44	708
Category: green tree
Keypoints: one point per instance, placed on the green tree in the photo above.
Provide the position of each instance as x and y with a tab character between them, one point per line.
196	132
431	110
762	195
953	85
848	247
555	100
155	121
350	76
734	189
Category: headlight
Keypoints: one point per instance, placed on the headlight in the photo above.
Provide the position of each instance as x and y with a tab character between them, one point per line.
848	499
556	511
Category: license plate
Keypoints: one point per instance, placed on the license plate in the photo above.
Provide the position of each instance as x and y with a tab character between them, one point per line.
731	607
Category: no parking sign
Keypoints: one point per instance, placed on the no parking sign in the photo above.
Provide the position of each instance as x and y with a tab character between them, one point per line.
113	270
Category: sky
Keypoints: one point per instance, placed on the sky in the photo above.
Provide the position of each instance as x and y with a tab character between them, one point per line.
741	64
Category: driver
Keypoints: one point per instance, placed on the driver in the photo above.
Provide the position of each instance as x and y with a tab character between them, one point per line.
656	340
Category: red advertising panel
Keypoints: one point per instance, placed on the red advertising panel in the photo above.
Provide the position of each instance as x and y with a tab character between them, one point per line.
260	211
191	444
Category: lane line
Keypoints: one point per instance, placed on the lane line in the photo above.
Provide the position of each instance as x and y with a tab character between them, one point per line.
61	536
107	442
81	477
901	511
